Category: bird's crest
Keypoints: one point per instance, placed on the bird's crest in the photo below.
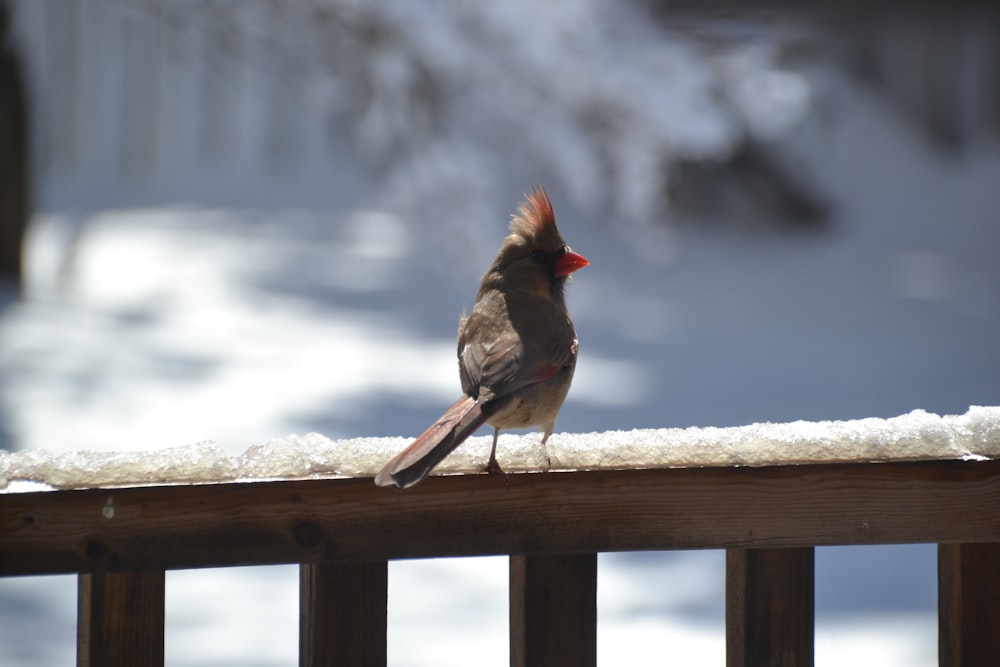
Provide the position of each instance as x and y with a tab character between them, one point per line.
534	217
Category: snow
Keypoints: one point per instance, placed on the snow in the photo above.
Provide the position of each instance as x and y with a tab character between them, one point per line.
918	435
108	469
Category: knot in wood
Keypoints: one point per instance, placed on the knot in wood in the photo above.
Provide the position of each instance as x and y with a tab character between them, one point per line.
308	534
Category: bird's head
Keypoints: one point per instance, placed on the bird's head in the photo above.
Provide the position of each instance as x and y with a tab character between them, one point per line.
534	257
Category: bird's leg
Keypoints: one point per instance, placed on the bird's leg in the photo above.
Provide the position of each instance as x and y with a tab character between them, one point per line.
493	467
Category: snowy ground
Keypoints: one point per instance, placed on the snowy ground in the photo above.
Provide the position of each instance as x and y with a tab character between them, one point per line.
176	324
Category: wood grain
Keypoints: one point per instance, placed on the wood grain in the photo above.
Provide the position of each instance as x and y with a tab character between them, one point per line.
553	610
120	619
770	607
968	604
351	520
342	614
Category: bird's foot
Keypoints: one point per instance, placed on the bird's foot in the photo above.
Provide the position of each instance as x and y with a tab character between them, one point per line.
493	468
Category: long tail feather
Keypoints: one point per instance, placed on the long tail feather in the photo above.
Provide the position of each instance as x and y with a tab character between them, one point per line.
413	463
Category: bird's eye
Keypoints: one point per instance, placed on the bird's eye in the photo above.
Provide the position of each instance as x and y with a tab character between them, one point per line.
539	255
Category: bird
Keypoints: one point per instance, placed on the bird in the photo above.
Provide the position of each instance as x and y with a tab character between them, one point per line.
517	347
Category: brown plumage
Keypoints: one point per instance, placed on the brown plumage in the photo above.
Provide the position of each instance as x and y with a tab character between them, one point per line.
516	349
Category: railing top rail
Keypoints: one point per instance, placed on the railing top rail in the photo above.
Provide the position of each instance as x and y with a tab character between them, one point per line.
345	520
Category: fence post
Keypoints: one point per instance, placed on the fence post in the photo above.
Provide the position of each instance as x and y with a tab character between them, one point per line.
968	604
120	619
770	607
342	614
553	610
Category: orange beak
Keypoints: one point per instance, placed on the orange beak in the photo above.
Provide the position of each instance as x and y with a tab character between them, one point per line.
570	262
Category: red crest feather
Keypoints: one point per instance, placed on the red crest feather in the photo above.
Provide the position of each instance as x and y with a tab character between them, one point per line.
534	215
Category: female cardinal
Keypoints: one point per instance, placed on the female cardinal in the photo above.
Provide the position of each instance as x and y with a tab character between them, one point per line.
516	349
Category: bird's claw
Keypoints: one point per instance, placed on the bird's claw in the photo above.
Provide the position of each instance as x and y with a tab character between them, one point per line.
493	468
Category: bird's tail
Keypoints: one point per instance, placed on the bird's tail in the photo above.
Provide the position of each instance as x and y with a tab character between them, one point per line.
413	463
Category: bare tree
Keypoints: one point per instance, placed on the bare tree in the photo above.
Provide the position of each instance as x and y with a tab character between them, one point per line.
14	178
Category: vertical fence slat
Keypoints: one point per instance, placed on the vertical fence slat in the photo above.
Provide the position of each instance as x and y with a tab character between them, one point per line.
342	614
770	602
968	604
553	610
120	619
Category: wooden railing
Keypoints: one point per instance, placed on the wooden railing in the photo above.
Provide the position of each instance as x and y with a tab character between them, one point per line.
344	531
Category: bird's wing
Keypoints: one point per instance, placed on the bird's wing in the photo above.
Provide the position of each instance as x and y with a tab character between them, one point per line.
493	366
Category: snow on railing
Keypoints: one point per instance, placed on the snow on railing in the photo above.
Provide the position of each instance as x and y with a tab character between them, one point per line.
917	436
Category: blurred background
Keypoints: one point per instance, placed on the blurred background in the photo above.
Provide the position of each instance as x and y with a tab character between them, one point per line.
239	219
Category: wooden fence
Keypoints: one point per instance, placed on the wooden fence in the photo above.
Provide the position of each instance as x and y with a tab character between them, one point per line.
344	531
